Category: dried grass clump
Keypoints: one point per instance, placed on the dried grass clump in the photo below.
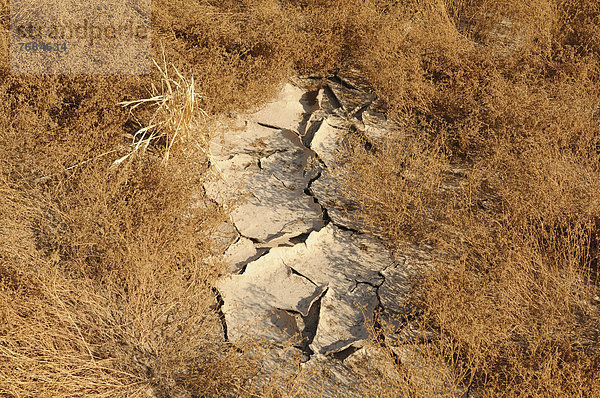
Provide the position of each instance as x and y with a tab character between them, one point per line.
174	115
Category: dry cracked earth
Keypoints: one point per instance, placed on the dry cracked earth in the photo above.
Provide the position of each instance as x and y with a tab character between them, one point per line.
301	264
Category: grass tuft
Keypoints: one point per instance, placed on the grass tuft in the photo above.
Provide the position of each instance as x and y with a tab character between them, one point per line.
175	111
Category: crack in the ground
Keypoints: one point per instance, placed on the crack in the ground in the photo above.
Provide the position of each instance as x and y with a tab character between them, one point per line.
311	324
294	272
379	328
365	98
359	110
239	237
260	157
345	353
343	82
348	229
383	280
328	91
379	331
266	251
374	286
309	134
300	238
307	191
219	311
269	126
282	183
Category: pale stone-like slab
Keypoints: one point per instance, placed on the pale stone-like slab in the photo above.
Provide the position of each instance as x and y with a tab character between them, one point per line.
343	318
288	111
239	254
229	183
289	167
326	139
325	289
268	193
256	303
339	258
242	136
349	265
276	221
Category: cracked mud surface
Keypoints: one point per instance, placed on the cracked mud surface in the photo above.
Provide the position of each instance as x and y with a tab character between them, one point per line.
301	264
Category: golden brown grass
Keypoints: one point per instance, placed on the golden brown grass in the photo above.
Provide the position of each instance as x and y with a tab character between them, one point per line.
104	285
175	112
497	164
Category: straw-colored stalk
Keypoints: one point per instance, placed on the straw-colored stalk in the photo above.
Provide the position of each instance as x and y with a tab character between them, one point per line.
176	108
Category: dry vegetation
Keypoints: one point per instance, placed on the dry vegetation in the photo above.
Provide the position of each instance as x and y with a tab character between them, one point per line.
498	165
105	287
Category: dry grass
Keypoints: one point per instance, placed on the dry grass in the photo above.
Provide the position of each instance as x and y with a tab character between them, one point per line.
174	115
107	292
497	164
104	287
